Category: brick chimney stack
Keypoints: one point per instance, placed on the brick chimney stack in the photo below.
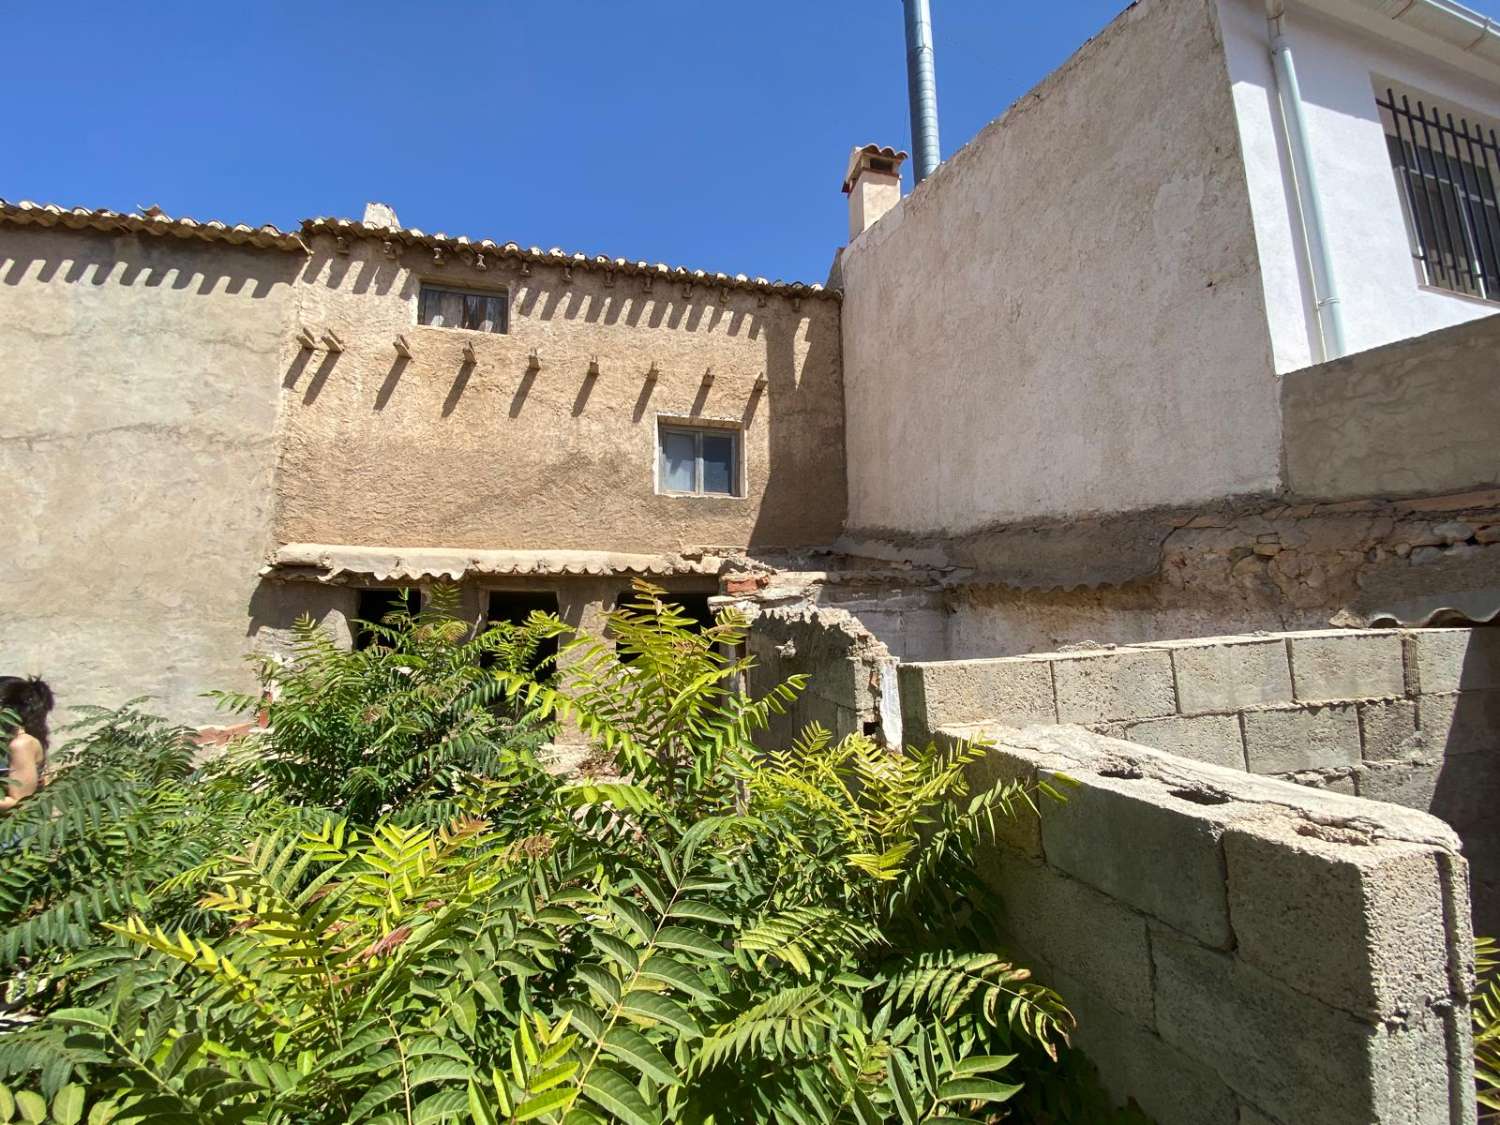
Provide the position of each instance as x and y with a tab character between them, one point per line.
873	185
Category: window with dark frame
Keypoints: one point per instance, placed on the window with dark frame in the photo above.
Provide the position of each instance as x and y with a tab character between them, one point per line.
376	604
478	310
1446	169
698	460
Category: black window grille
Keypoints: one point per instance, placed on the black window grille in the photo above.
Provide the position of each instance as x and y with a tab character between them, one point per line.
1446	171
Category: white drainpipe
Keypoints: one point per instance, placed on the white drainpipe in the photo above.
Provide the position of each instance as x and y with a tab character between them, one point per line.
1325	287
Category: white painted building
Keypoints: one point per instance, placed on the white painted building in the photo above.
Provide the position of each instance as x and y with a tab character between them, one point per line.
1433	58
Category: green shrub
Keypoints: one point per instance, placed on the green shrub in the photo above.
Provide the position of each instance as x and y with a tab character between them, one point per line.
716	936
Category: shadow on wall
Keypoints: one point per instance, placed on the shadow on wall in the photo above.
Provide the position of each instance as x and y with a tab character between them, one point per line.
147	261
1463	727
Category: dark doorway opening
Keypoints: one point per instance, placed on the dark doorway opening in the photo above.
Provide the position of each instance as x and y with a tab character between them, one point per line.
375	604
694	605
513	607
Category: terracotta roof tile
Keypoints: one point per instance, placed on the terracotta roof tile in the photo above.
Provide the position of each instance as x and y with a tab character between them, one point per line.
411	236
152	221
329	561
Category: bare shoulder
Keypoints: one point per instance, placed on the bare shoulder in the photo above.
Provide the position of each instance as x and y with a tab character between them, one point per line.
25	750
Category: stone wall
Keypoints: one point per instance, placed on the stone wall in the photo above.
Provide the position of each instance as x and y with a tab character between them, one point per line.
1406	716
139	379
1239	950
440	450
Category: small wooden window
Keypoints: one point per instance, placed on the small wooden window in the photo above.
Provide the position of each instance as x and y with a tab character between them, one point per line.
474	309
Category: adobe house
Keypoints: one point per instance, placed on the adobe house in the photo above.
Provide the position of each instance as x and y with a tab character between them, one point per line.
1151	434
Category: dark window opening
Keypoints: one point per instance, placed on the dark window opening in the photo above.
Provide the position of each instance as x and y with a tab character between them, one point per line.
513	607
694	605
375	604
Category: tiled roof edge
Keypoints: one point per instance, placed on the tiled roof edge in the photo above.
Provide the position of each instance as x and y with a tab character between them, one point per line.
410	236
27	213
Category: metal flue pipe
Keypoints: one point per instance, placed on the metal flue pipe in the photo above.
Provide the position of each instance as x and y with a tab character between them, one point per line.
921	85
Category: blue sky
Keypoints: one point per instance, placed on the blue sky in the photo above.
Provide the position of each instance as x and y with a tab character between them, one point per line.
705	133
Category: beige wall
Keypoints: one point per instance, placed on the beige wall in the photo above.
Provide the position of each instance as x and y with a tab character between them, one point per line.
433	451
1411	418
138	390
1067	316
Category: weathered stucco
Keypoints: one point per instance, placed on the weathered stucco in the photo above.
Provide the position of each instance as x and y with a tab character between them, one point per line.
438	451
138	389
1067	316
1407	419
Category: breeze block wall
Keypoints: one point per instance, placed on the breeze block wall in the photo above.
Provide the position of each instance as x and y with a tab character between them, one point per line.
1409	716
1239	950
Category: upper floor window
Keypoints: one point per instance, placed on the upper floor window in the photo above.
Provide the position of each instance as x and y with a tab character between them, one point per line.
1447	166
475	309
698	460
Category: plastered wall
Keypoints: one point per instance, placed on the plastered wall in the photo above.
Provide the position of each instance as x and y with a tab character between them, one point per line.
1066	314
1239	950
438	451
139	378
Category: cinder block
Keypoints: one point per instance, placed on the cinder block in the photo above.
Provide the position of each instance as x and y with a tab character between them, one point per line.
1411	785
1304	739
1454	659
1296	1058
1102	687
1354	921
1231	675
1465	723
1170	1087
1075	929
1139	844
1388	730
1016	690
1333	666
1204	738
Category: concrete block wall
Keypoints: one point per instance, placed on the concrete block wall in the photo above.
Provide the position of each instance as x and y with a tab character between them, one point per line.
1409	716
1238	948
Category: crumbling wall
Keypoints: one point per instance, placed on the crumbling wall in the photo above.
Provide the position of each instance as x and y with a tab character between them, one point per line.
1231	568
851	675
1406	716
1237	949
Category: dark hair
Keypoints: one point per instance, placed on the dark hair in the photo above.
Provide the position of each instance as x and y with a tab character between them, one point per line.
31	699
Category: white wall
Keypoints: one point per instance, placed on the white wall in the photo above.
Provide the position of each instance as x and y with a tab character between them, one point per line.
1338	64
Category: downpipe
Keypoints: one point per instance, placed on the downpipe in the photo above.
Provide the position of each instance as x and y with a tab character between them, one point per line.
1325	286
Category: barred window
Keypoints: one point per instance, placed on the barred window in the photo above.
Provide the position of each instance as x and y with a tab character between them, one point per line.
474	309
1446	169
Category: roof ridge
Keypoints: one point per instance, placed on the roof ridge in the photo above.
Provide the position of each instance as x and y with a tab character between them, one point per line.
26	212
413	236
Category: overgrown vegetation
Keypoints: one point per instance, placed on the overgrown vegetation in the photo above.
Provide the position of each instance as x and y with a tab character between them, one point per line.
1486	1009
382	908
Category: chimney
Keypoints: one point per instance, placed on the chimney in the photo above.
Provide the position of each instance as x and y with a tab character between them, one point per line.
873	185
381	215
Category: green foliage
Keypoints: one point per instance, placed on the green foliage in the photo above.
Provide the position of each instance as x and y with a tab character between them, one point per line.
393	728
123	815
714	937
1486	1009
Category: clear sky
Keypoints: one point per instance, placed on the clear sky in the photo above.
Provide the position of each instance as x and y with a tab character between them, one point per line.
705	133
